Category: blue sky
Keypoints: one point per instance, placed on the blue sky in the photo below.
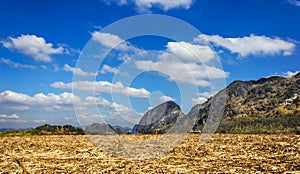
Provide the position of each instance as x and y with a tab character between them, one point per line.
41	41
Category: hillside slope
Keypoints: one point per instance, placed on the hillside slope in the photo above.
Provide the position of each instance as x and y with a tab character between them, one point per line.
268	105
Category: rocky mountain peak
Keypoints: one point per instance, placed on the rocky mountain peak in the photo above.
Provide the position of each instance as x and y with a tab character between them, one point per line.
100	128
160	118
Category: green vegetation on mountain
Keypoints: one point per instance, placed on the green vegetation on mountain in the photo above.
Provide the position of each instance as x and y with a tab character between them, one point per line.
268	105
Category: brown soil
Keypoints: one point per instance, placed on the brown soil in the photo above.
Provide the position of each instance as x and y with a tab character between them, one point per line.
224	153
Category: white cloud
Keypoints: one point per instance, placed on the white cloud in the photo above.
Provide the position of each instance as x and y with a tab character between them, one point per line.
103	87
250	45
78	71
13	116
166	4
50	99
208	94
108	69
99	101
146	5
16	64
33	46
165	98
13	97
105	104
53	108
294	2
121	109
17	120
184	62
37	121
56	108
178	71
116	112
61	102
187	52
290	74
123	112
8	97
203	96
198	100
113	41
18	108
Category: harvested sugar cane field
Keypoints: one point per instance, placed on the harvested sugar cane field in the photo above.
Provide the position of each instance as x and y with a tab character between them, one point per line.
225	153
149	86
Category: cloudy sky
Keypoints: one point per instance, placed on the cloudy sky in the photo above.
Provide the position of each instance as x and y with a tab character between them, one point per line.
41	41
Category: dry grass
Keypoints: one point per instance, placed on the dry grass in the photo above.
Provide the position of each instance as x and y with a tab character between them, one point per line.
224	153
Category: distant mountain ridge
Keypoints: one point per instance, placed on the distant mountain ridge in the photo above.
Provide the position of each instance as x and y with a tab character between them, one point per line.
104	128
267	105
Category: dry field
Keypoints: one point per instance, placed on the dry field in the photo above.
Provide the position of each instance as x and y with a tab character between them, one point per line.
225	153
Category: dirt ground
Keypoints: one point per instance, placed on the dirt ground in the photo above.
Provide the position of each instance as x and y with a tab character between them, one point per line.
224	153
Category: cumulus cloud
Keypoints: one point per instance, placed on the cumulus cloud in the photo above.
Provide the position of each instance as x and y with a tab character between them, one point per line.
13	116
124	114
16	64
108	69
250	45
165	98
290	73
105	104
10	97
146	5
198	100
113	41
33	46
184	62
294	2
193	73
187	52
62	102
99	101
103	87
78	71
116	112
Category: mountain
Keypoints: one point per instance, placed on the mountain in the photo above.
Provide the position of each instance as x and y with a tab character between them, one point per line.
100	128
268	105
159	119
122	130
